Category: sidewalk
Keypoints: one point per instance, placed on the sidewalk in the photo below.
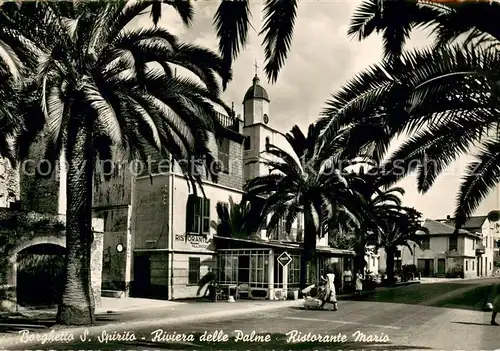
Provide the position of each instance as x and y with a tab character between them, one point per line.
172	313
108	305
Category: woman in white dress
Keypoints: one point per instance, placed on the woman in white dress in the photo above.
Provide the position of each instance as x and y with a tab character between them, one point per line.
331	295
359	282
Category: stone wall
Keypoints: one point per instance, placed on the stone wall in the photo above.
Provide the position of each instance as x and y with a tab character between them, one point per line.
39	181
96	266
9	183
8	297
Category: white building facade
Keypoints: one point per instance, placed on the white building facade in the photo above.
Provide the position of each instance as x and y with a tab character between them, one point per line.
469	253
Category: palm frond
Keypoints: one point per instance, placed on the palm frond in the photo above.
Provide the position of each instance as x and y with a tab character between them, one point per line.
279	21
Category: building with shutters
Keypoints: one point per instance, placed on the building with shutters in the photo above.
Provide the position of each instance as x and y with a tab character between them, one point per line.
470	253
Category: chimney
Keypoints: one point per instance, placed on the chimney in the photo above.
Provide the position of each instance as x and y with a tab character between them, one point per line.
448	217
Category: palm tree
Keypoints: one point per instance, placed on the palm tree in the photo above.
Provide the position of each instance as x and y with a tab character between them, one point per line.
97	96
398	226
449	21
446	97
237	220
232	22
310	182
447	100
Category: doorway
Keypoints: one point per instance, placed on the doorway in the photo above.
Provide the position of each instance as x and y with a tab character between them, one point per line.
243	269
426	266
142	276
441	266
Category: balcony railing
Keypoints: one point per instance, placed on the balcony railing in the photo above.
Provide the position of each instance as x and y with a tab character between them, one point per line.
228	122
480	249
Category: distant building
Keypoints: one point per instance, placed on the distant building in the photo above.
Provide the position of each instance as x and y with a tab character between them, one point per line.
372	259
443	253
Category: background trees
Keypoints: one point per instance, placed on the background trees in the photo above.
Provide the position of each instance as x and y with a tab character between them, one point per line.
238	220
310	182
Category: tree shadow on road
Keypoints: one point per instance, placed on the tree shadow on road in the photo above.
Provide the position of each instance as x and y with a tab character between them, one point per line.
473	323
467	296
14	323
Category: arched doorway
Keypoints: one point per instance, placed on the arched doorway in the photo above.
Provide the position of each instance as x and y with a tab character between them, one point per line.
41	245
40	273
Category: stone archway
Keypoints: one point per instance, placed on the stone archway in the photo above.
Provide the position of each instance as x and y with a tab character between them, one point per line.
9	301
41	266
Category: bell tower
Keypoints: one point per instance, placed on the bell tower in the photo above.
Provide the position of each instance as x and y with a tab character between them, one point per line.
256	103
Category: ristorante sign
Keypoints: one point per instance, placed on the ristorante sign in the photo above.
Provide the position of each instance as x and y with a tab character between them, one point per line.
196	241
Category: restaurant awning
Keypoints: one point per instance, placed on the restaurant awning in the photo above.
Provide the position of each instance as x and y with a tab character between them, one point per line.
228	243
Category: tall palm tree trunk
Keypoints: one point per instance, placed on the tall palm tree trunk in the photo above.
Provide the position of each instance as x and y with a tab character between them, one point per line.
359	253
390	252
78	305
308	251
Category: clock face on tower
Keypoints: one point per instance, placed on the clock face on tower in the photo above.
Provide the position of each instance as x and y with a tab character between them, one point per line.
266	119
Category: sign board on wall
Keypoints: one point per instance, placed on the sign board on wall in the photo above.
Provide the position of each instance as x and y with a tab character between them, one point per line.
196	241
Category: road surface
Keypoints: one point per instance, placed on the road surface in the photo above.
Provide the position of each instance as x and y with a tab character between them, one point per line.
356	325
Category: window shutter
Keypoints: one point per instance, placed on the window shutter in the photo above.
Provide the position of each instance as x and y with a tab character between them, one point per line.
206	216
189	214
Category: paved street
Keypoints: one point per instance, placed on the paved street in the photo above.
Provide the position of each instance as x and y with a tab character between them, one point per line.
388	325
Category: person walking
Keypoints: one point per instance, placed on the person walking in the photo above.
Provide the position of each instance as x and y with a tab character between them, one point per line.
347	280
496	306
331	295
359	283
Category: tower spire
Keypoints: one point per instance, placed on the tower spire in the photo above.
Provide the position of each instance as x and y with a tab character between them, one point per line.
256	68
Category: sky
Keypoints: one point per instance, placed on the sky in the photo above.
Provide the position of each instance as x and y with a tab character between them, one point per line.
321	60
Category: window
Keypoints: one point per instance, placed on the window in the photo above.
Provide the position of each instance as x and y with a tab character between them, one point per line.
491	266
294	271
198	215
426	244
453	244
486	242
466	265
397	254
473	244
247	143
245	267
259	268
267	143
223	146
472	264
373	261
194	270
